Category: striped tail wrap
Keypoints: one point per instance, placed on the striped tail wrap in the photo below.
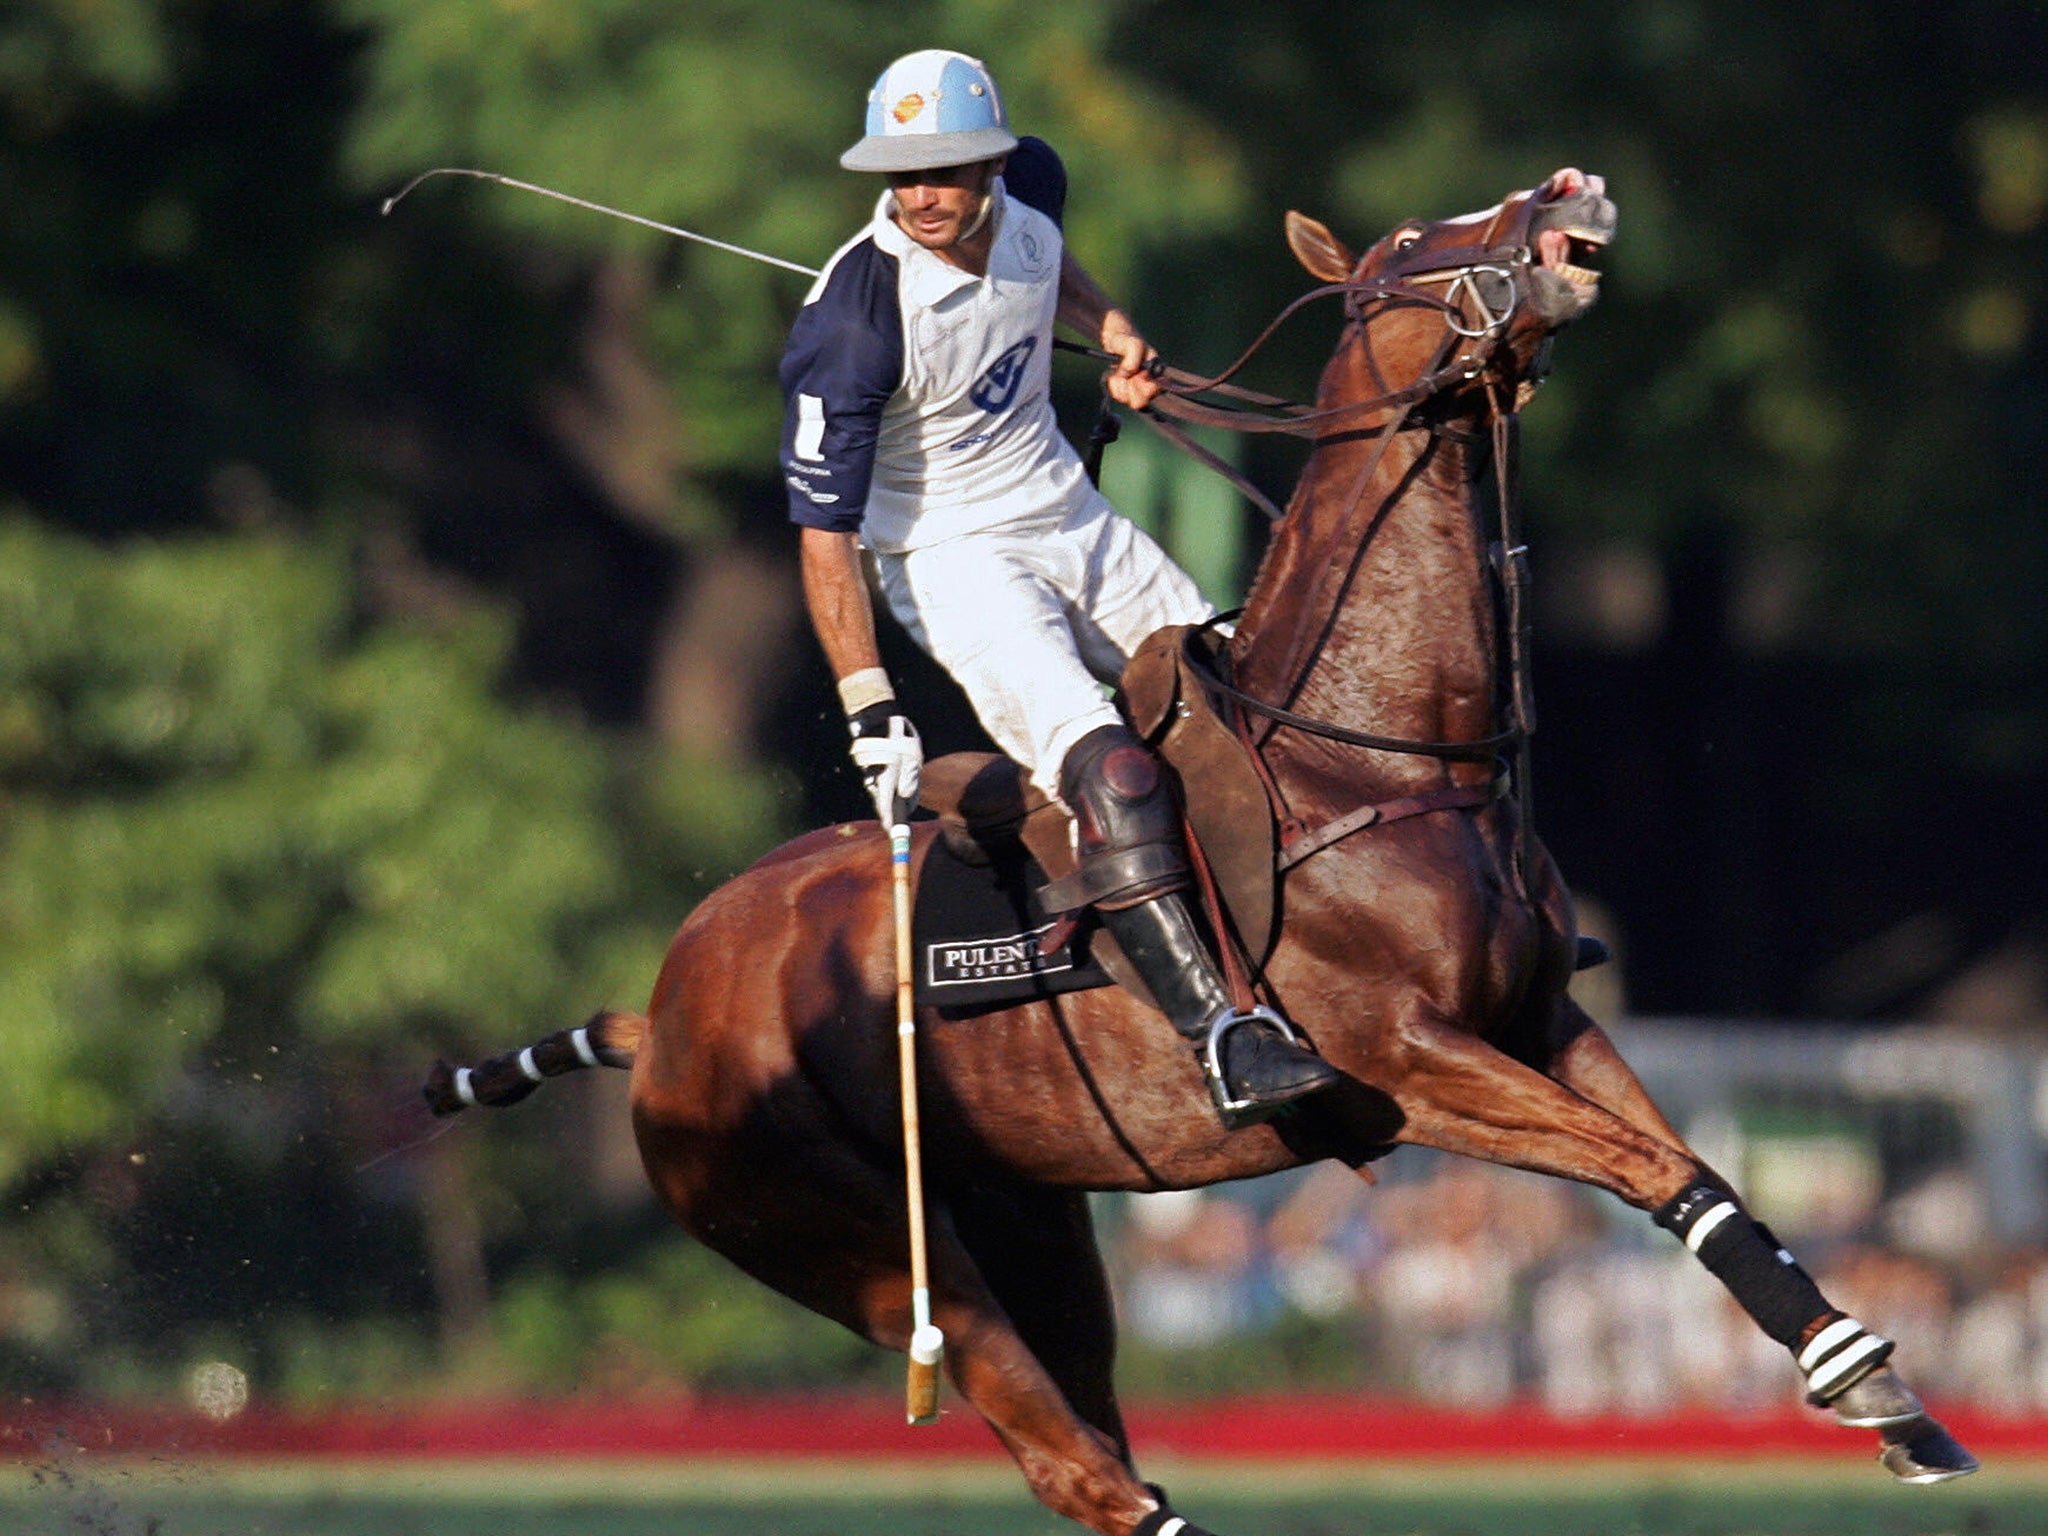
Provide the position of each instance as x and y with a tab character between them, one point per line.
604	1040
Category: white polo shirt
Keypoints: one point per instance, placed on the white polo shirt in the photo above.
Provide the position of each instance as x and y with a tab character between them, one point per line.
919	395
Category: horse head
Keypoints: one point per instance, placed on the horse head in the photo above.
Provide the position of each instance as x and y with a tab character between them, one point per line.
1453	298
1383	553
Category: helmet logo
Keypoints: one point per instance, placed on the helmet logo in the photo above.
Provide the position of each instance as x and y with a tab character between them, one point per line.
909	107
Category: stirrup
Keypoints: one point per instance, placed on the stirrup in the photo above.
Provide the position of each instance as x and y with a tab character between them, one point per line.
1239	1113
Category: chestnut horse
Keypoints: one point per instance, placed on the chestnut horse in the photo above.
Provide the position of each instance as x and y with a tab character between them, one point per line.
1426	955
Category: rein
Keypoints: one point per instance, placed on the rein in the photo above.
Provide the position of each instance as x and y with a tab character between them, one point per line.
1459	268
1268	414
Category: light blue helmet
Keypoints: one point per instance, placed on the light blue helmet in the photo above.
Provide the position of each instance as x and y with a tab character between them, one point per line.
932	109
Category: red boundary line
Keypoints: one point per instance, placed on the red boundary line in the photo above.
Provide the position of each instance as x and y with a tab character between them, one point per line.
1303	1427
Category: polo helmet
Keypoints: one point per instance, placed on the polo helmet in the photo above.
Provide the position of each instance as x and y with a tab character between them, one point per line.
929	110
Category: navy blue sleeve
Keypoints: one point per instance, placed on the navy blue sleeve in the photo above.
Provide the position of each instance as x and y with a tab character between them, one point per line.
1035	175
843	361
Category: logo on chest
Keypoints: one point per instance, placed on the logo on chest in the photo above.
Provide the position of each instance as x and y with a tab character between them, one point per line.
996	388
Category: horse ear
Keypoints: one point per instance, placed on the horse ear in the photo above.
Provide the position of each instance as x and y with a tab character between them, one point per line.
1317	249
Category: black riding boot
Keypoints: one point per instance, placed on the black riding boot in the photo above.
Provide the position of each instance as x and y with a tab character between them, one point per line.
1132	865
1252	1062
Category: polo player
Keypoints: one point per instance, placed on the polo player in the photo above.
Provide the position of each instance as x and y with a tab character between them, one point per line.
920	445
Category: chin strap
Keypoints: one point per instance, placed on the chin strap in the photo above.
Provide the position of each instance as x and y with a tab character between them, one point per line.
988	199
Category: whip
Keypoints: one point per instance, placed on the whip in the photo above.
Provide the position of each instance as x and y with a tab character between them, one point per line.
400	195
631	218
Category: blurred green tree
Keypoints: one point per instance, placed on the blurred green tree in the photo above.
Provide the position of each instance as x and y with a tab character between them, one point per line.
715	118
229	809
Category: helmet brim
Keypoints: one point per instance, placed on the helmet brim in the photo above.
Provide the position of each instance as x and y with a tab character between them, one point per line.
927	151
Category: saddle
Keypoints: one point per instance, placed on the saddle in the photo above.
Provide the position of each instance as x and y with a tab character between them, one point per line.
988	809
1230	818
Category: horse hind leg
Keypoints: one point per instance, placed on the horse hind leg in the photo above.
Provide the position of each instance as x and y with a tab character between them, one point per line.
1847	1367
1023	1236
1035	1247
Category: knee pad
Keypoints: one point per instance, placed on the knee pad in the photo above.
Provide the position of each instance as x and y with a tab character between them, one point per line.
1126	821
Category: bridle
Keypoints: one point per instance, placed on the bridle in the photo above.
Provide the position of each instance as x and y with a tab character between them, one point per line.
1483	287
1405	279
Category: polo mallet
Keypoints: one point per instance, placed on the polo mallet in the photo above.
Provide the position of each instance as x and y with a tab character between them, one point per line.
927	1343
562	197
891	765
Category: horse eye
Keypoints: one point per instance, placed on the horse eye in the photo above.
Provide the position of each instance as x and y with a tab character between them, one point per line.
1408	239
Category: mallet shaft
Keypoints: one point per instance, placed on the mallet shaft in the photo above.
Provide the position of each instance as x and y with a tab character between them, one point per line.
927	1343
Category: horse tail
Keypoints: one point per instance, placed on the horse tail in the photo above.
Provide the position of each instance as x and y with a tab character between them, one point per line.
604	1040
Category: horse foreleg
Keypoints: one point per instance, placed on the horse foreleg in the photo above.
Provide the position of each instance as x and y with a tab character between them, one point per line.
1584	1059
1462	1095
1843	1363
1745	1256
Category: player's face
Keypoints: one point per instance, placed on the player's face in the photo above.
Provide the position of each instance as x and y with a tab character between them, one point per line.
938	208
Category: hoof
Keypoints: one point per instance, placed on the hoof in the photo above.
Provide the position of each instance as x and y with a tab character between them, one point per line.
1879	1401
1923	1452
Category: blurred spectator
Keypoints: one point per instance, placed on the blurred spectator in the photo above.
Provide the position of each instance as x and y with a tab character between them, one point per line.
1473	1285
1995	1355
1190	1257
1446	1283
1899	1295
1644	1331
1322	1239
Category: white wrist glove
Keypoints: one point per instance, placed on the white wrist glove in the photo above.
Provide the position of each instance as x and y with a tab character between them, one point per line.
890	757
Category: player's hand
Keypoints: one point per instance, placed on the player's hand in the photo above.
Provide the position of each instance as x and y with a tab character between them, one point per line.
1134	379
890	757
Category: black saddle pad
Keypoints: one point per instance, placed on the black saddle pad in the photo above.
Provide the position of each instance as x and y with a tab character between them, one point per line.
976	932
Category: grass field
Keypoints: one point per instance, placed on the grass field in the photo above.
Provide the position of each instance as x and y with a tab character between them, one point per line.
80	1496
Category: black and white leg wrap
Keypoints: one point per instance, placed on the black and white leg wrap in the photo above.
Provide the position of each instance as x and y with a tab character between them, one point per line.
1740	1252
1838	1357
1163	1521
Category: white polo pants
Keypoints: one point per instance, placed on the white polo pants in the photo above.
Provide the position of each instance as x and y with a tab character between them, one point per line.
1030	623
